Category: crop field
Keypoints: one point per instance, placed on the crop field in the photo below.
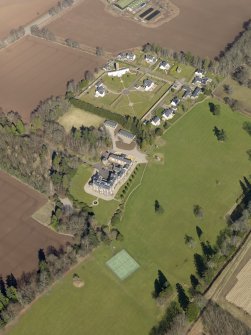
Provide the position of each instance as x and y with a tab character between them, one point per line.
22	236
33	69
197	169
15	13
240	293
77	117
91	24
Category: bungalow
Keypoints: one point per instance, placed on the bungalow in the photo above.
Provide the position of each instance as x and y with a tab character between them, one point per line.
150	59
100	90
175	102
164	65
126	136
110	124
196	92
118	73
168	114
155	121
148	84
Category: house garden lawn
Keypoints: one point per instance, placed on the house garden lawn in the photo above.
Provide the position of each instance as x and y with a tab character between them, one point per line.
196	169
105	209
187	71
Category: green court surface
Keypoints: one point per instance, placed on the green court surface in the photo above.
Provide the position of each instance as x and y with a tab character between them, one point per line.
122	264
123	3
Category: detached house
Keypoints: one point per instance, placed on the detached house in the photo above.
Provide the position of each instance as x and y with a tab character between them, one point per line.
100	90
150	59
148	85
168	114
164	65
155	121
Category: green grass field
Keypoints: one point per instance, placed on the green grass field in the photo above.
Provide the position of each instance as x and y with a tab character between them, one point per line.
104	210
187	71
196	169
241	93
77	117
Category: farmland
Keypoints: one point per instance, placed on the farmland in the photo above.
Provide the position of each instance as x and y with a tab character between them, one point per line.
15	13
91	24
196	169
34	69
21	236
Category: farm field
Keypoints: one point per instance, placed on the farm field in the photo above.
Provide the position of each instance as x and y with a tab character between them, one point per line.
91	24
77	117
15	13
197	169
22	236
33	69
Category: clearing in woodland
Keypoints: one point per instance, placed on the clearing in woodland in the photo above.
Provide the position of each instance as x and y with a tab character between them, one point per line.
34	69
22	236
196	169
192	30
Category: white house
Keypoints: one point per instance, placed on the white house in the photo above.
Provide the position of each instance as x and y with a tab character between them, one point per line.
199	73
175	102
100	90
155	121
129	56
150	59
148	85
118	73
168	114
164	65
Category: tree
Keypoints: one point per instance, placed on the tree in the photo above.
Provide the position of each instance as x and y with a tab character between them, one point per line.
99	51
192	311
199	231
11	281
189	241
220	134
228	89
182	297
200	265
157	207
162	280
249	154
194	281
207	250
88	75
214	109
247	127
198	211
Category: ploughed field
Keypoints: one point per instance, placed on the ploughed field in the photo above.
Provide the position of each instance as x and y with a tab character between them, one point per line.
15	13
33	70
21	236
203	28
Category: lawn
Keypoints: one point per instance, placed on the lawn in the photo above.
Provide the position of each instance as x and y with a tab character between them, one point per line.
104	210
138	103
196	169
187	71
77	117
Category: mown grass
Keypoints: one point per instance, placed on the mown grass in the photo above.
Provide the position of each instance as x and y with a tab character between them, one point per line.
196	169
105	209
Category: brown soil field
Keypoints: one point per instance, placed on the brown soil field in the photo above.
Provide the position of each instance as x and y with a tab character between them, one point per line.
33	69
203	27
21	236
15	13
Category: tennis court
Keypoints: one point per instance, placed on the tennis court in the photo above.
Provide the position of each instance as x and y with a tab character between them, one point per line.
122	264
